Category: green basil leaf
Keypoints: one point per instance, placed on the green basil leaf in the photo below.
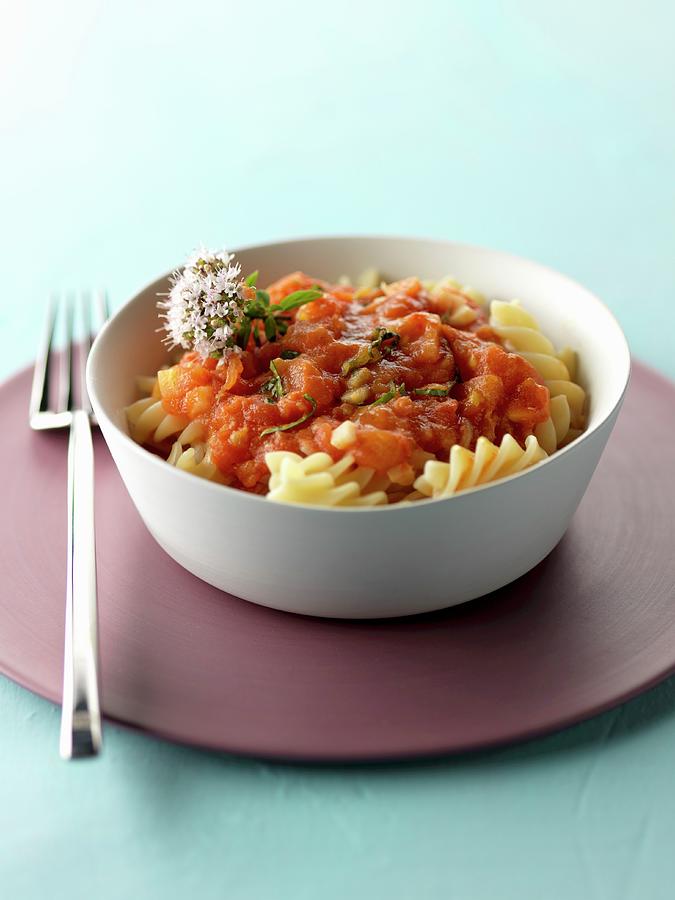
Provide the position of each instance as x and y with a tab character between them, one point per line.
270	328
289	425
432	392
385	341
435	390
274	387
298	298
399	390
382	343
244	333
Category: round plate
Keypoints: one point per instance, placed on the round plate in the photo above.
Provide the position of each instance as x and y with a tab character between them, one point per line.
589	627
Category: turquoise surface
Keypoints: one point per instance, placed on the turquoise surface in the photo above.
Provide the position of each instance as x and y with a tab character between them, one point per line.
130	132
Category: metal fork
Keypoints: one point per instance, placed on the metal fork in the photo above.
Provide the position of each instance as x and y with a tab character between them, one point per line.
69	407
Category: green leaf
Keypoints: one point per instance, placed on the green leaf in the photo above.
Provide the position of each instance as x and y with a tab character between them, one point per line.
244	333
299	298
252	278
289	354
256	309
263	297
289	425
385	341
432	391
270	328
274	387
398	390
362	358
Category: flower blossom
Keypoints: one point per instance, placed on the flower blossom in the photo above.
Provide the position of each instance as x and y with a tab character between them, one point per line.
205	304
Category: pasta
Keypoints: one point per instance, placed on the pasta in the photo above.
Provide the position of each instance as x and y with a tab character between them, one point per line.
318	481
149	423
521	333
341	395
468	469
196	461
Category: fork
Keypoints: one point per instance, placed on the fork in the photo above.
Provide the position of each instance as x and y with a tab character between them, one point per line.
68	407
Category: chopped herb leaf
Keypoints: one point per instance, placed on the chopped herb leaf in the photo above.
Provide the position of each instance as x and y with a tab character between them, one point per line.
399	390
362	358
274	387
436	390
289	425
289	354
383	343
252	278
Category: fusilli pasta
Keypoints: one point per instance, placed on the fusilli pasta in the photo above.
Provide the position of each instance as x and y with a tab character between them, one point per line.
318	481
521	333
487	463
195	460
149	422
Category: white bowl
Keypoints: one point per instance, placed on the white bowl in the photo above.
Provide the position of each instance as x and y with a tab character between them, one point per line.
384	561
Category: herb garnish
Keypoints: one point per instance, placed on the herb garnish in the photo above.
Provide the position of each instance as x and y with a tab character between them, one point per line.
289	354
398	390
299	298
272	315
436	390
382	343
289	425
385	341
252	278
274	387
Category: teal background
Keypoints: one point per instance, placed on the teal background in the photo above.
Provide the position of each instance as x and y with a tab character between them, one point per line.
130	132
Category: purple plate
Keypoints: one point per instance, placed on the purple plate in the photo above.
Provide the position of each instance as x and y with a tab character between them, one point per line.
591	626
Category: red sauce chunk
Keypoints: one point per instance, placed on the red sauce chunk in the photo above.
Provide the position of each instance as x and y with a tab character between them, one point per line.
386	359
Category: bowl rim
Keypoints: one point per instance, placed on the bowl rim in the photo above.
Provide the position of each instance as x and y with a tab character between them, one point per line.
154	459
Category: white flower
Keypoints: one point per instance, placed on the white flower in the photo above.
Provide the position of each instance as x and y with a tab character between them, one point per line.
206	303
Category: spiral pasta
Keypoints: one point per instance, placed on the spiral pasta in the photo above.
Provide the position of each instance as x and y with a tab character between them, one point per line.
318	481
521	334
195	460
149	422
467	468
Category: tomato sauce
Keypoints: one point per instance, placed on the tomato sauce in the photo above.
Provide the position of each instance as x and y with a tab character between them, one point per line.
386	359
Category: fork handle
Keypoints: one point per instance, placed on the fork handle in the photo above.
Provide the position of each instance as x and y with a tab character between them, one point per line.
80	710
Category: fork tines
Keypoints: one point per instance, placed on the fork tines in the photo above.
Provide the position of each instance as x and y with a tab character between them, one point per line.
51	403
